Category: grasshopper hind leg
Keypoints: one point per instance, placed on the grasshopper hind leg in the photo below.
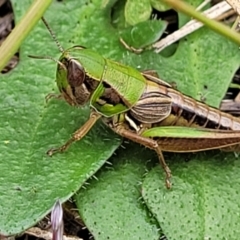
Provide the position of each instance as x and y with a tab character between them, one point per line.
149	143
164	166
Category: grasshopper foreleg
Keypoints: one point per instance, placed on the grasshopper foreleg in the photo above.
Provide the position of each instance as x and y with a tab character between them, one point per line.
147	142
53	95
78	135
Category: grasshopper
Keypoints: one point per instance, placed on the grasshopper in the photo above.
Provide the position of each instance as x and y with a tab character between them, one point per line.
139	106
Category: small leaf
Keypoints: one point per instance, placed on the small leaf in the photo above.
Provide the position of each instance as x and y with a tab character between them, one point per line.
144	33
159	5
137	11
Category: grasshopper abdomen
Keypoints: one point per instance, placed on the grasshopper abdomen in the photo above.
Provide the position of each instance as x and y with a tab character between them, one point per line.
189	112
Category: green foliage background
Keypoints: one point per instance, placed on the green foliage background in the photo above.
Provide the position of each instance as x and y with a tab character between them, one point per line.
130	195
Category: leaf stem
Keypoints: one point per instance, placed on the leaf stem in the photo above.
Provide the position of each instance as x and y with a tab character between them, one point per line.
213	24
21	31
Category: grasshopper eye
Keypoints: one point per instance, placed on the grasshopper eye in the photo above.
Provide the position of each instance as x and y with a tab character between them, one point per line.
75	73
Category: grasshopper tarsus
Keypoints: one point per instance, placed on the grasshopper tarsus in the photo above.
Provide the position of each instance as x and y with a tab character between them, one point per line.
168	183
164	166
168	175
53	95
52	151
61	149
149	143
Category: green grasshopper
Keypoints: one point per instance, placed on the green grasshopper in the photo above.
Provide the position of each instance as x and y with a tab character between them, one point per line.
140	107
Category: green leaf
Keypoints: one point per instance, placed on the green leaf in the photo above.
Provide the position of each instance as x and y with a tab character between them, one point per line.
160	6
137	11
111	206
143	34
30	180
202	202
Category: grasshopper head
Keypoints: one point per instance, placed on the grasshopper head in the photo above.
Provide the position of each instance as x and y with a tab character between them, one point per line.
75	86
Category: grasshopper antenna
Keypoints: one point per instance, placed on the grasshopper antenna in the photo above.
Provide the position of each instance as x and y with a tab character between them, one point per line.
50	58
53	35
